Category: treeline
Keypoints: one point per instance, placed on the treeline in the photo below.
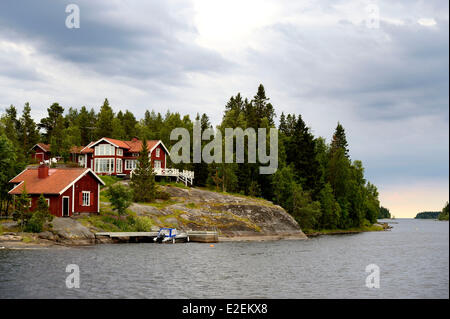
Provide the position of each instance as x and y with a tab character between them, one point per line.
427	215
384	213
316	181
444	213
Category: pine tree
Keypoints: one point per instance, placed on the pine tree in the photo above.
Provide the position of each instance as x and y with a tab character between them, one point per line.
339	140
117	130
105	118
29	135
11	124
129	125
48	123
283	126
262	108
301	151
22	212
8	165
143	178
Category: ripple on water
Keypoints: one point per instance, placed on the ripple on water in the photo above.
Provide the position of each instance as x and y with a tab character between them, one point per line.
413	260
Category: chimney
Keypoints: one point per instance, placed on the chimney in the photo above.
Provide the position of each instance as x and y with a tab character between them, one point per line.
43	171
135	139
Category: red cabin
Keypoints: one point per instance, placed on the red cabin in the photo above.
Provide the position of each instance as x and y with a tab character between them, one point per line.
109	156
41	152
68	191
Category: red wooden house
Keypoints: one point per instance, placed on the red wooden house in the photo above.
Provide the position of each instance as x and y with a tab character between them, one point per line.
41	152
109	156
67	190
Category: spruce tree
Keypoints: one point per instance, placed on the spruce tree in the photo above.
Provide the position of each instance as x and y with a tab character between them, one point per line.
29	134
339	140
105	118
143	177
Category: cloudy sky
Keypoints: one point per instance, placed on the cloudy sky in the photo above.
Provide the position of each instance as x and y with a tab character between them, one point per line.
379	67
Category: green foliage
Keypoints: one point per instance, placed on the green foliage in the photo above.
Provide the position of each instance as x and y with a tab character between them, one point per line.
384	213
311	172
143	223
254	190
305	211
331	211
283	183
109	180
48	124
143	178
104	121
120	197
39	217
428	215
22	213
444	214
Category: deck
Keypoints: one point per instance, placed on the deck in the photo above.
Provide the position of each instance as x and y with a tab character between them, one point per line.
186	177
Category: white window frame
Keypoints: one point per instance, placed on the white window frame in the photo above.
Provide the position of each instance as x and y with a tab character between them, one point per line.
130	164
104	149
119	152
101	167
119	165
48	202
86	198
157	152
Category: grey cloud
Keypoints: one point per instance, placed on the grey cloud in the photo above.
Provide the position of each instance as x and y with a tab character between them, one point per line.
105	43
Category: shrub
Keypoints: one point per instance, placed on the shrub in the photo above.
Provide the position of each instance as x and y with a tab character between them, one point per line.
120	197
142	223
162	195
39	217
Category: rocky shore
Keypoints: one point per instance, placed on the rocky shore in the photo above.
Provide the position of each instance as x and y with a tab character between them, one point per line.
234	217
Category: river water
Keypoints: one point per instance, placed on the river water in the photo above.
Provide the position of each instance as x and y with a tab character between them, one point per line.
413	261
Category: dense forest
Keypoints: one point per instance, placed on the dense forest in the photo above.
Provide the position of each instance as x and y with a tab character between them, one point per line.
384	213
427	215
316	181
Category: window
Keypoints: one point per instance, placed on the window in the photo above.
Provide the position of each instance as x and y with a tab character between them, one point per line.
135	154
104	149
48	202
157	152
104	165
130	164
30	202
86	198
119	152
119	165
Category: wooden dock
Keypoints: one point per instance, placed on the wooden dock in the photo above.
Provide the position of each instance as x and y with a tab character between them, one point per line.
144	237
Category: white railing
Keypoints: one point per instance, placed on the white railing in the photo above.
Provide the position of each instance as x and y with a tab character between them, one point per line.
184	175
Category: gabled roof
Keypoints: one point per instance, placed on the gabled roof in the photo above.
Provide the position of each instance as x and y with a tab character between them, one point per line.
42	146
87	149
58	181
116	143
133	146
76	149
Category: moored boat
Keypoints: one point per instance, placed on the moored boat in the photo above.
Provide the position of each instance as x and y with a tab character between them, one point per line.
170	235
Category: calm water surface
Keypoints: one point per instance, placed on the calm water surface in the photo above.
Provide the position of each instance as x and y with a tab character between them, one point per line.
413	258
